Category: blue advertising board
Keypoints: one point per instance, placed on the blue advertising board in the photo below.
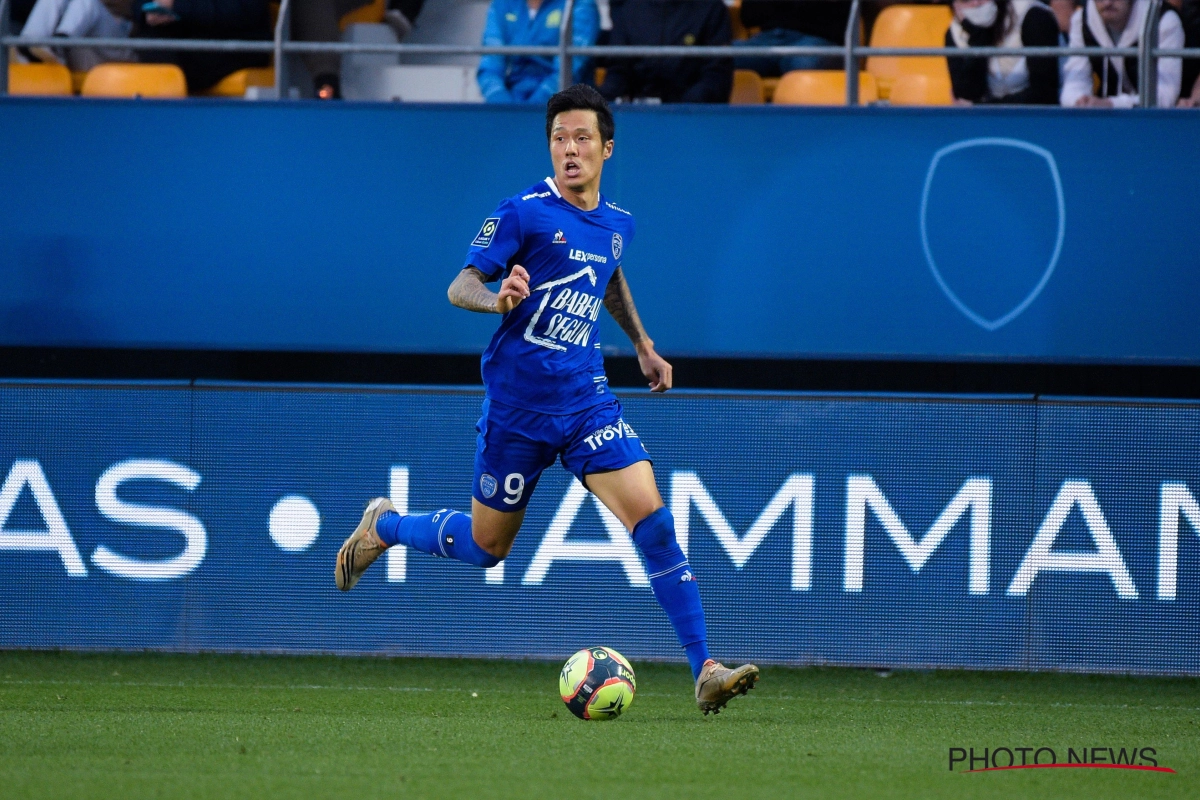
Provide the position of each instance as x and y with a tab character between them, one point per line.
1033	234
986	532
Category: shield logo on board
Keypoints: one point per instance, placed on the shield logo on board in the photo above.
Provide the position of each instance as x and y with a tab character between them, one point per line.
992	225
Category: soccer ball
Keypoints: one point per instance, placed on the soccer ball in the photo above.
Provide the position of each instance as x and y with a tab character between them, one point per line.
597	683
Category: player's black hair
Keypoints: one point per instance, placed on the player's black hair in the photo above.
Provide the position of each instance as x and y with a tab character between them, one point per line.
581	97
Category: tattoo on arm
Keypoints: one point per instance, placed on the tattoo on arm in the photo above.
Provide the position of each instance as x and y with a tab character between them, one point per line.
468	291
619	302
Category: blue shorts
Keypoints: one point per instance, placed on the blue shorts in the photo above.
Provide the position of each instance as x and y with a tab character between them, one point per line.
514	446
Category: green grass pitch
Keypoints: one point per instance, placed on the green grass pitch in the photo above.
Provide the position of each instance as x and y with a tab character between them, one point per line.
163	726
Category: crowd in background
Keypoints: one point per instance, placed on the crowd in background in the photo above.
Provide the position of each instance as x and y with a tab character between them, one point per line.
161	19
1077	81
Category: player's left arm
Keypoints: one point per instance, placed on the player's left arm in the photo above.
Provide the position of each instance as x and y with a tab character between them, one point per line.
619	302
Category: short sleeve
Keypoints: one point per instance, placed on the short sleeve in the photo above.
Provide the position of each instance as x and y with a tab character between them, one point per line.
498	240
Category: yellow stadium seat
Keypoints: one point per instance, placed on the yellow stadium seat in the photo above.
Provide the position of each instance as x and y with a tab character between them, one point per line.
908	26
372	12
822	87
39	79
747	88
600	74
921	90
135	80
236	83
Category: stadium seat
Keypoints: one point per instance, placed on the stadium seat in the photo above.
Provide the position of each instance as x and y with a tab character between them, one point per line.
236	83
39	79
747	88
135	80
908	26
371	13
921	90
600	74
822	87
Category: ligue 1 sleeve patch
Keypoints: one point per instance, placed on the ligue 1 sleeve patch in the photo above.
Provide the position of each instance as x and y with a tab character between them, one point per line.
618	245
486	232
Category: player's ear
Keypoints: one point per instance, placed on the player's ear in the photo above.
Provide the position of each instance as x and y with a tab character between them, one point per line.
608	148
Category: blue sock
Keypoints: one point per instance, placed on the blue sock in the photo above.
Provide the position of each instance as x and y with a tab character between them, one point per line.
445	534
673	584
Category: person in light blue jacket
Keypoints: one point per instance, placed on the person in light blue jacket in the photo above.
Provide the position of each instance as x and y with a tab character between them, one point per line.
531	79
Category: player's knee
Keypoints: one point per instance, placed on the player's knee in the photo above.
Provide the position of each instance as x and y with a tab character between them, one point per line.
656	533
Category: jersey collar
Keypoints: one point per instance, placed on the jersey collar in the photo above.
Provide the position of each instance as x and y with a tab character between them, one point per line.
554	188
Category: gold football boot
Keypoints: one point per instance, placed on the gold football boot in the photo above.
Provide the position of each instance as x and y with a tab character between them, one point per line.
363	546
718	684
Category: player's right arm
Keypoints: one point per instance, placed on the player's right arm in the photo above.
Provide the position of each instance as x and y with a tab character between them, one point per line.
470	292
495	247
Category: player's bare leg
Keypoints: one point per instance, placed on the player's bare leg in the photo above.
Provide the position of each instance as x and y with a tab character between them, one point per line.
632	495
494	531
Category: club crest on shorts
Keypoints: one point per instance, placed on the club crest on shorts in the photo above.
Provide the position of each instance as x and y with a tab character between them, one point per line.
488	485
618	245
484	238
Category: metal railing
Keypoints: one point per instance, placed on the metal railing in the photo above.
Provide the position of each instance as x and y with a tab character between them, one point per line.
1147	52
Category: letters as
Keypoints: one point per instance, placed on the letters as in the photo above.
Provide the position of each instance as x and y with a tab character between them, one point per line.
118	510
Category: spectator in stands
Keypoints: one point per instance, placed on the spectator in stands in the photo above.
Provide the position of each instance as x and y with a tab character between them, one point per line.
1063	9
107	19
670	80
1118	23
531	79
793	23
319	21
205	19
1189	14
1003	79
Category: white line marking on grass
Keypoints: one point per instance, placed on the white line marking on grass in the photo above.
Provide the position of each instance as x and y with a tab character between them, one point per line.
763	696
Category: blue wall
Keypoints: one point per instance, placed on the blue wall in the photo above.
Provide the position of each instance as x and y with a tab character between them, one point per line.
173	517
769	231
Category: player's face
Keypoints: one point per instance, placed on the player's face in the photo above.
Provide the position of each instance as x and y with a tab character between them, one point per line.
576	149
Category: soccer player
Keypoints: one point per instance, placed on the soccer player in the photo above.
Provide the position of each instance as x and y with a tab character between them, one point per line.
558	248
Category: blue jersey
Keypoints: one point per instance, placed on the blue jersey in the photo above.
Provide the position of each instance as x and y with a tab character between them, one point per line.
545	356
